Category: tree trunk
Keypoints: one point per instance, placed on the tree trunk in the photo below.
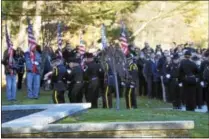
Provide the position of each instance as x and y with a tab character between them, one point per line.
37	22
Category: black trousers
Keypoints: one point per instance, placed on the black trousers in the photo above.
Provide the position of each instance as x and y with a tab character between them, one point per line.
190	100
149	87
142	86
19	82
168	88
75	94
199	95
58	97
206	96
84	90
107	96
130	97
157	90
93	93
175	93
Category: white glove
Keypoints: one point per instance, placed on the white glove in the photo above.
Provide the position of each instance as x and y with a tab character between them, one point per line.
180	85
168	76
48	81
46	76
36	63
69	71
122	83
202	83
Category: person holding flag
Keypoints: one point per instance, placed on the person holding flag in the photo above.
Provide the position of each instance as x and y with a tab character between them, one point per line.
33	65
10	68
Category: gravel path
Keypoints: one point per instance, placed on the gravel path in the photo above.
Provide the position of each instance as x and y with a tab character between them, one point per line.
12	115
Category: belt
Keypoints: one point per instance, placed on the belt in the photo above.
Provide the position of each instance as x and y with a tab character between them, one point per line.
94	78
190	76
78	82
176	79
29	71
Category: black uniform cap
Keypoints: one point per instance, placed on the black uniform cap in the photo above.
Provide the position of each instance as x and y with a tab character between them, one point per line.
89	55
73	59
175	56
206	54
195	58
188	53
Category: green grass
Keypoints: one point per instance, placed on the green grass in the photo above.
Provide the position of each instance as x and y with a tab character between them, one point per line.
147	111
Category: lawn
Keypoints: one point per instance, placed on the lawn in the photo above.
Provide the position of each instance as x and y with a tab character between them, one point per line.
147	111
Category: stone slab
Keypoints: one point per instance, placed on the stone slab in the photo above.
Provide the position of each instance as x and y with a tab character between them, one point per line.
106	134
35	106
53	113
92	127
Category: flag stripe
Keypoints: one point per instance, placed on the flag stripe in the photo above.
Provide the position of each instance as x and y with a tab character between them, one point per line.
9	45
123	40
59	39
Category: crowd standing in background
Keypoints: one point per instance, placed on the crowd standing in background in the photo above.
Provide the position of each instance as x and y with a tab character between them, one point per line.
179	76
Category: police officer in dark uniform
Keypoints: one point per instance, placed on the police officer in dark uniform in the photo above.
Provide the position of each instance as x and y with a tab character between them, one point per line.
166	78
92	72
188	73
58	80
132	78
199	87
174	82
75	94
204	68
142	83
110	86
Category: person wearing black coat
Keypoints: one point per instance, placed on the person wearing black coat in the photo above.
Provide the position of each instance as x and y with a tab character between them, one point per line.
188	73
149	74
174	82
142	83
204	70
93	71
20	60
199	85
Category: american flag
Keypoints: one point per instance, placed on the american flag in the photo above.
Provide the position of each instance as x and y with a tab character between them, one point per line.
9	45
104	39
81	50
31	41
123	40
59	39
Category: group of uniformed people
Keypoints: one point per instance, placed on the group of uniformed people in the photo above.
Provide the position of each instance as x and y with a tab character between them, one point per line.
179	76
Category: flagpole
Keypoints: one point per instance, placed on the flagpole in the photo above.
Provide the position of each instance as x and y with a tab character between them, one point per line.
116	86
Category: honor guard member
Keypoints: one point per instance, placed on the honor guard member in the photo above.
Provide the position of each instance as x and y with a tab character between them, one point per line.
204	70
58	80
166	78
199	87
133	70
142	83
188	73
92	72
130	94
110	85
205	79
76	77
174	82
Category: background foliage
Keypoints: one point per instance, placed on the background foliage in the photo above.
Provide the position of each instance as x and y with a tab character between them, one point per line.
152	21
